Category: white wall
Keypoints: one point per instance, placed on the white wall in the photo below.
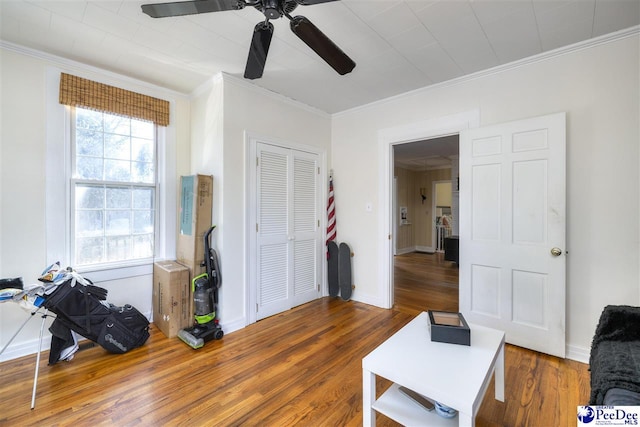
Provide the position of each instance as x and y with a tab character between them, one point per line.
223	113
23	175
599	89
22	249
209	138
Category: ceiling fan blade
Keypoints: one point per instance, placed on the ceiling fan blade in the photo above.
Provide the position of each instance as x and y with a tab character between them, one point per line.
322	45
262	34
180	8
312	2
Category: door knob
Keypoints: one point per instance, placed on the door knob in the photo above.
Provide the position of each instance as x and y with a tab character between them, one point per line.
556	251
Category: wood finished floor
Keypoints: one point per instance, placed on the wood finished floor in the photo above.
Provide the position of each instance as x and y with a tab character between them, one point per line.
301	367
425	282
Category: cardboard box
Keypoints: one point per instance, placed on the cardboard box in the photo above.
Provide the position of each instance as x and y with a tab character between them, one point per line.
172	298
196	201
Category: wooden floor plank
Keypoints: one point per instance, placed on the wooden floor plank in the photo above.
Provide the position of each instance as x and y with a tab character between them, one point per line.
302	367
425	282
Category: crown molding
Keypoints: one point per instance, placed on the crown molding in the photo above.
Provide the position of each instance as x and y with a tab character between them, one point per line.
65	63
239	82
225	78
544	56
231	79
206	86
216	78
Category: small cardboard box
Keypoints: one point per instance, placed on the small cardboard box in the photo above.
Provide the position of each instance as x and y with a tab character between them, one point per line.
196	201
171	297
449	327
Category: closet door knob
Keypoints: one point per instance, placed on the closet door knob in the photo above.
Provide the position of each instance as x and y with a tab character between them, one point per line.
556	251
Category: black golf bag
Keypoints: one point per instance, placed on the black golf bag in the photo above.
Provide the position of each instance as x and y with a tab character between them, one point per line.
82	308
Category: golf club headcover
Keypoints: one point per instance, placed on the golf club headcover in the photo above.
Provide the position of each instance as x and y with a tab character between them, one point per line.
15	283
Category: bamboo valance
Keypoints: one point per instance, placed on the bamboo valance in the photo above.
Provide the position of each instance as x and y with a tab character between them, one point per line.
80	92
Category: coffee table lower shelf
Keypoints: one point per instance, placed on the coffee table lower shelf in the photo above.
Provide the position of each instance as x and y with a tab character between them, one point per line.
401	408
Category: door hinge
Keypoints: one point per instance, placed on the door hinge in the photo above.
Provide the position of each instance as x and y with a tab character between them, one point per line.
318	287
318	170
256	227
318	223
257	161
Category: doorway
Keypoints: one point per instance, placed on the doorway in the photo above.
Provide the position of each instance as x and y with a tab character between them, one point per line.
424	196
486	288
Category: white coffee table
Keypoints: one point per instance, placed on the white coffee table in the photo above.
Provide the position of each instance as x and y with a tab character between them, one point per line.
454	375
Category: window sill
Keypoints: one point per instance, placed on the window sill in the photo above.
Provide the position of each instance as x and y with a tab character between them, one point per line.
99	274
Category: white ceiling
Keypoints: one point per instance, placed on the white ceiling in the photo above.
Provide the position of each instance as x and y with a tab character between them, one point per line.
398	45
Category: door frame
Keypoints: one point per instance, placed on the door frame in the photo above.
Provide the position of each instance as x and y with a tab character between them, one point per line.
251	140
394	216
387	138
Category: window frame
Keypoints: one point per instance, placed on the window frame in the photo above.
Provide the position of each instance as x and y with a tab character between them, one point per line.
73	181
58	173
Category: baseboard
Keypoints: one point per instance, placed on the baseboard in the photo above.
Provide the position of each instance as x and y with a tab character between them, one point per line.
233	325
25	348
368	299
426	249
405	251
577	353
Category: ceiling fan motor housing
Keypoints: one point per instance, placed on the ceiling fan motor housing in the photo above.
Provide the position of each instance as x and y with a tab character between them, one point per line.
274	9
271	9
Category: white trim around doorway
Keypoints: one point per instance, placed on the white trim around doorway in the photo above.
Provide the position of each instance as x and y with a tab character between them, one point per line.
387	138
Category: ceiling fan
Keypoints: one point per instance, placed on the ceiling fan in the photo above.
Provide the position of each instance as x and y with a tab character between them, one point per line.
263	31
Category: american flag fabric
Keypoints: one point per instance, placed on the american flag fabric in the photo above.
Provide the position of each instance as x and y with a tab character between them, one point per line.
331	215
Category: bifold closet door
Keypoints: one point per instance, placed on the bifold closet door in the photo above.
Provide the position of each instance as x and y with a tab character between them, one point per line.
288	229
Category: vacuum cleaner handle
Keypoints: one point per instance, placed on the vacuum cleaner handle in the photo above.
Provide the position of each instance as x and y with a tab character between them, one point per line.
207	250
211	262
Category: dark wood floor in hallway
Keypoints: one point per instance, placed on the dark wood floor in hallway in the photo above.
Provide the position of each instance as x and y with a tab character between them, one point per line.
424	281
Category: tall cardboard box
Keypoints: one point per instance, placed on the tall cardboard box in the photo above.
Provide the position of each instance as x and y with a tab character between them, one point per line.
171	297
196	199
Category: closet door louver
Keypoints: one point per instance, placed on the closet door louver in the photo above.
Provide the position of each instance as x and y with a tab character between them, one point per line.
288	229
305	228
273	223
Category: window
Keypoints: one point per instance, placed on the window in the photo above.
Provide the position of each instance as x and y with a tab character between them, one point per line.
112	188
67	98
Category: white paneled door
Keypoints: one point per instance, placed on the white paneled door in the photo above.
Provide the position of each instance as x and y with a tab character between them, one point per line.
512	230
288	229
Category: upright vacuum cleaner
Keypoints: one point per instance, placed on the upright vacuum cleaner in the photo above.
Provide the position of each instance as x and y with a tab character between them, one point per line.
205	298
